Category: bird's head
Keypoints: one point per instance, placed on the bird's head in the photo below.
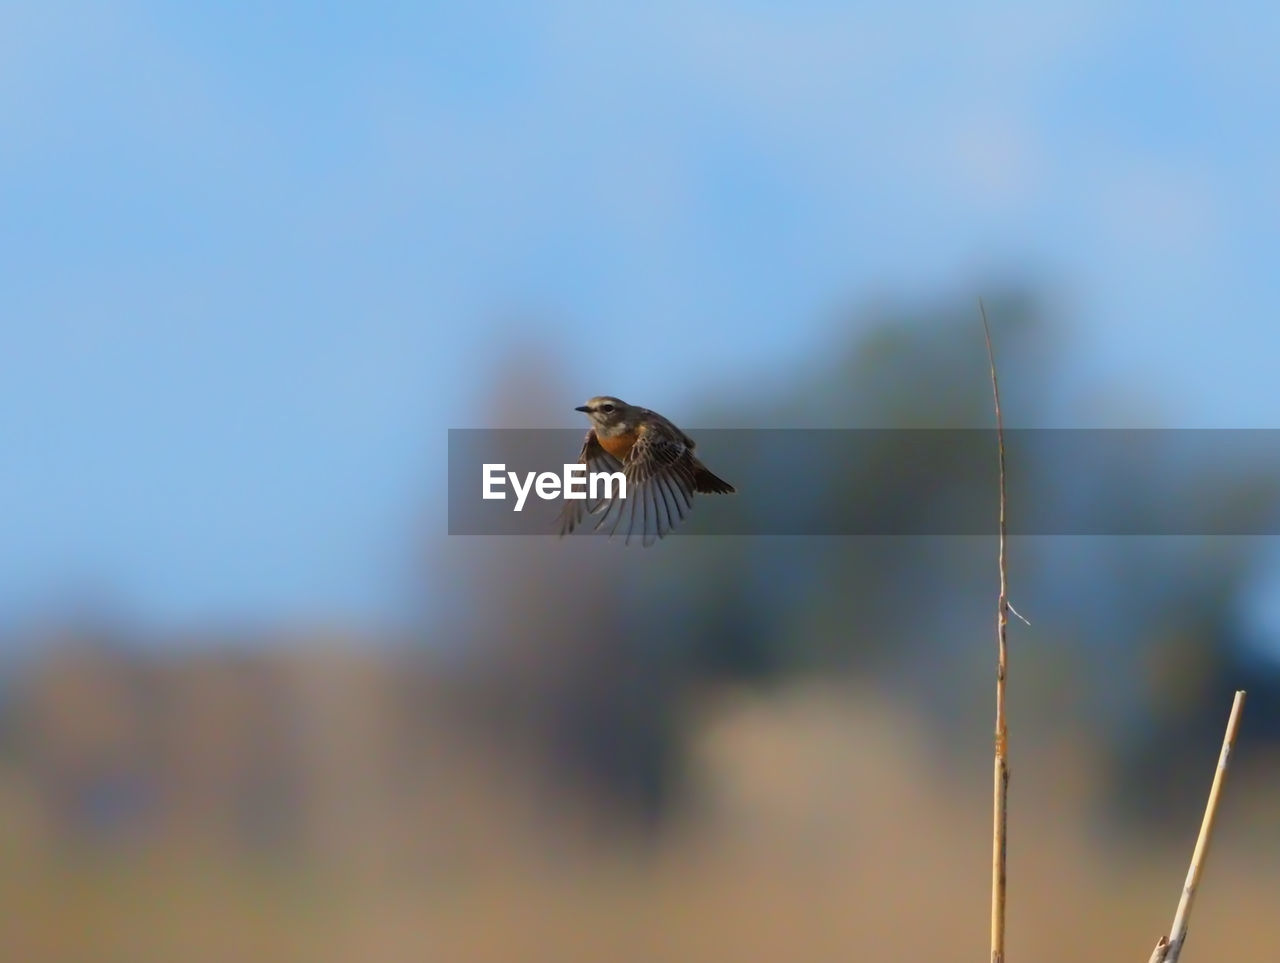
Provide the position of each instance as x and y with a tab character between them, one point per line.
606	412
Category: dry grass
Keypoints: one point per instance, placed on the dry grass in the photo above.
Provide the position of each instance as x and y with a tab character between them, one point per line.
826	827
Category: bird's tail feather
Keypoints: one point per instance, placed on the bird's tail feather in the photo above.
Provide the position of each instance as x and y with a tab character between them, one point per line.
707	483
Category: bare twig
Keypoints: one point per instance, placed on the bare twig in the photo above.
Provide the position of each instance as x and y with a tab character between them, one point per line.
1161	950
1000	822
1168	949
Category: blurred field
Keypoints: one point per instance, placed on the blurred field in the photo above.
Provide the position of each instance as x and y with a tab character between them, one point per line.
313	804
262	259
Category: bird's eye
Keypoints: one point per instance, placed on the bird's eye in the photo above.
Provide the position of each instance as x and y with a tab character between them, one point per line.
606	407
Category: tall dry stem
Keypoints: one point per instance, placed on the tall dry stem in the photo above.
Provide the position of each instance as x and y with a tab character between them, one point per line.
1169	948
1000	821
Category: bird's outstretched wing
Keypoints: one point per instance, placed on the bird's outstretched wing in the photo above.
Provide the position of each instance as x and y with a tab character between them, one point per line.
660	472
596	459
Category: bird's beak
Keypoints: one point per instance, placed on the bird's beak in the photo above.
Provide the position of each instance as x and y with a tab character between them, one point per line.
582	408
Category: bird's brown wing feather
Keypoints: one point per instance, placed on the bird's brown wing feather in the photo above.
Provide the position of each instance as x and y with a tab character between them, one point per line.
596	459
660	487
662	476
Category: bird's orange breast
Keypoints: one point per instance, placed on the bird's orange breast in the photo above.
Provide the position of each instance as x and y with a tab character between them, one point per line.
619	446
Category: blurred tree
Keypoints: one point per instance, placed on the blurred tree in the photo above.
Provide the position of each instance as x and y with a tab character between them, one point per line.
622	642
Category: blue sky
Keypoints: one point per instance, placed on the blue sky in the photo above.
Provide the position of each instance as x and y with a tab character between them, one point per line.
256	261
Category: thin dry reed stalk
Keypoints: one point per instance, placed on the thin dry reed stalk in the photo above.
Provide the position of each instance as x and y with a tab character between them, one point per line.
1169	948
1000	821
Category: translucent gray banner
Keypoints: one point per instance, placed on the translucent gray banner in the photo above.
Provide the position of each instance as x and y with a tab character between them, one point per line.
911	481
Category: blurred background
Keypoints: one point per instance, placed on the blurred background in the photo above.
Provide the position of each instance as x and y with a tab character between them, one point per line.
256	704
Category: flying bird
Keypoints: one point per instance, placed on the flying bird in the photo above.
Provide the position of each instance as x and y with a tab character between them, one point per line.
657	459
